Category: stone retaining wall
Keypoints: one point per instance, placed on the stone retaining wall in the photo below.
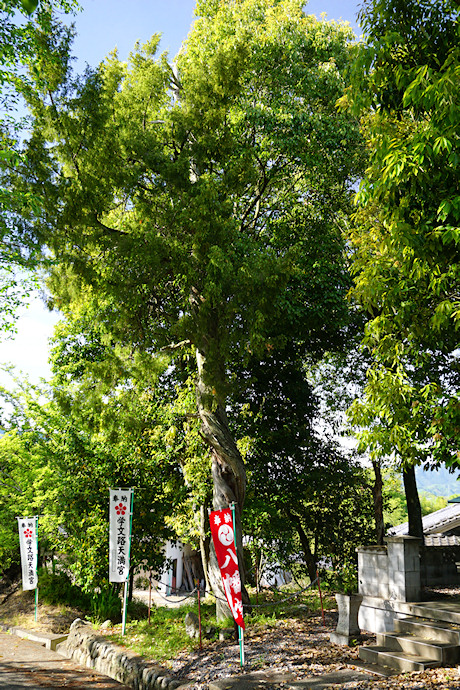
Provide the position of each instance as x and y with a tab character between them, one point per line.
95	651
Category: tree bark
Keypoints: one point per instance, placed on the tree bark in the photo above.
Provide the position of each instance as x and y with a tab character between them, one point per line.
377	493
309	557
228	474
414	509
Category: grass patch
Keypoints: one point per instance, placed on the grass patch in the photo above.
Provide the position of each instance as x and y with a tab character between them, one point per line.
162	639
165	637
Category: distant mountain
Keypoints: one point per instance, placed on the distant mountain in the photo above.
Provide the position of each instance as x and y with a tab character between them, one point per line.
438	482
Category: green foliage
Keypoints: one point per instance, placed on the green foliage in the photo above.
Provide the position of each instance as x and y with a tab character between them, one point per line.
23	474
21	49
396	507
164	637
395	512
67	460
219	255
404	239
57	588
106	605
99	605
431	503
29	6
342	579
306	496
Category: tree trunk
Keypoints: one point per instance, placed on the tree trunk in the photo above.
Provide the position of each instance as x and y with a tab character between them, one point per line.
309	557
377	493
228	475
414	509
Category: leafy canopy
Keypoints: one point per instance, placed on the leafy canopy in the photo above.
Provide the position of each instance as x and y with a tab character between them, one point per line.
405	238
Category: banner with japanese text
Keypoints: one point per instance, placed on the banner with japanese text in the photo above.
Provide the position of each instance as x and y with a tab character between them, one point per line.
224	543
29	552
120	534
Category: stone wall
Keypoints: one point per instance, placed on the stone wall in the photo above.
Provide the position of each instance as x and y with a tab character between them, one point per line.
373	571
95	651
391	575
387	577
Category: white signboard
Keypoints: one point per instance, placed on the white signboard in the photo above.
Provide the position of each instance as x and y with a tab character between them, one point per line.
29	553
120	528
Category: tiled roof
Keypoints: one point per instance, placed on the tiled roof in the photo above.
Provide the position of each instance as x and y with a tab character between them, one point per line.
435	523
441	540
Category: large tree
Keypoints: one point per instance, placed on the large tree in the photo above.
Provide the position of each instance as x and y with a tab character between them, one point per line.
202	205
405	238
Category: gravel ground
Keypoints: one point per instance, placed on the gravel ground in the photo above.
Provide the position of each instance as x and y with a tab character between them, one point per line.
301	647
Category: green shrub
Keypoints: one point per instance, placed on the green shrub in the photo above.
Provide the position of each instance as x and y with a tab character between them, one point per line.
105	604
57	588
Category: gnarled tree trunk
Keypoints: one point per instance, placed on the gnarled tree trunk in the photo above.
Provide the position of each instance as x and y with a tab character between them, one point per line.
228	474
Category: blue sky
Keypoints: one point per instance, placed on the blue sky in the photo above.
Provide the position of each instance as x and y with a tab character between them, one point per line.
101	26
104	24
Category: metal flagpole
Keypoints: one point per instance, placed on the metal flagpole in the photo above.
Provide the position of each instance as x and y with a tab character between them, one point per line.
36	567
125	595
240	629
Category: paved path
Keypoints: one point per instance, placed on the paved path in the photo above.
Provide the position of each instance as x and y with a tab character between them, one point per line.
25	664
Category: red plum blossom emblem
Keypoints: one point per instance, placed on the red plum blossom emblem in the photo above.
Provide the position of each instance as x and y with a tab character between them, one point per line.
120	509
27	533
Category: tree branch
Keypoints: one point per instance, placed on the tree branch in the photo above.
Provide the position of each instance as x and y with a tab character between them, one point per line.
175	346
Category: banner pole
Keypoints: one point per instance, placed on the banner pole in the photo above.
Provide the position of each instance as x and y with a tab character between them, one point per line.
150	594
240	630
125	597
36	568
125	605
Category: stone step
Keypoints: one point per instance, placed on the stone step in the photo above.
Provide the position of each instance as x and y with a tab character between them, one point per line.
400	660
419	646
437	631
48	640
437	610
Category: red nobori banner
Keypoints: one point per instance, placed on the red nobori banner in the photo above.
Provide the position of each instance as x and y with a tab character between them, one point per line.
224	544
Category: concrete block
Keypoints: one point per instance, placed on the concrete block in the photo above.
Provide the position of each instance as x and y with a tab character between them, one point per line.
376	620
372	560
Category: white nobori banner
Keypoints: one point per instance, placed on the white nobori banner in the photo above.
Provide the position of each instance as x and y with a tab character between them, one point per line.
120	534
29	551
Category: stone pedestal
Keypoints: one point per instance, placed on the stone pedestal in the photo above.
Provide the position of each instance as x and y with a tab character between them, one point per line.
404	568
347	627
